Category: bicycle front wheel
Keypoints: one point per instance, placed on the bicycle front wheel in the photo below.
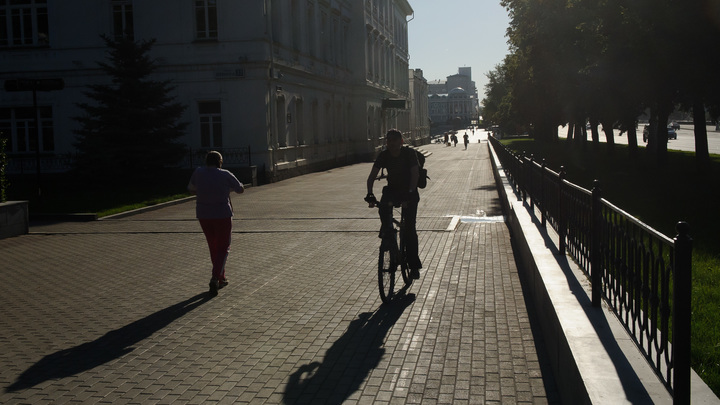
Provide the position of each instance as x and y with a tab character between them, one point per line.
404	269
386	274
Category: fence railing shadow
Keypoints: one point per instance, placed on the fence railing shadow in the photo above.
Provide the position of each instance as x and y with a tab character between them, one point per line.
643	275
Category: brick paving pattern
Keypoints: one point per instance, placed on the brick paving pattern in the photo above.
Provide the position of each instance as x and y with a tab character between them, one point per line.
116	311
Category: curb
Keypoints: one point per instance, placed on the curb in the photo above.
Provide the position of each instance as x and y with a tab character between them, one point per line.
146	209
593	358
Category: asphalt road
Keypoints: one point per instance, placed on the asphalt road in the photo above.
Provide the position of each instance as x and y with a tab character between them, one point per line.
685	140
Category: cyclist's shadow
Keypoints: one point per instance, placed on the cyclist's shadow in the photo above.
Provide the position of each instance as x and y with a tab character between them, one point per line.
349	360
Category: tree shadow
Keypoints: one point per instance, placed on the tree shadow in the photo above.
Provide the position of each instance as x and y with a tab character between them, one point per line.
349	360
110	346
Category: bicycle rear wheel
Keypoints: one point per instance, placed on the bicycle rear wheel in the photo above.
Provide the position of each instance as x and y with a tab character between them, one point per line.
386	274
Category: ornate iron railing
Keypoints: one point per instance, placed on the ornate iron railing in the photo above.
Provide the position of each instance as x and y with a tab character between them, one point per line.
232	157
643	275
28	164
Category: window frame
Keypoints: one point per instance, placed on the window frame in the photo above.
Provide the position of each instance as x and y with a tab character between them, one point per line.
210	122
21	123
124	10
206	18
22	25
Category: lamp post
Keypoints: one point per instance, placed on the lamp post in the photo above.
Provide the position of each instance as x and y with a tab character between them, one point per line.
35	85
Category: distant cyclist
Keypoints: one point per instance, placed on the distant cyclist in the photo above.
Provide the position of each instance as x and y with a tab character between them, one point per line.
402	177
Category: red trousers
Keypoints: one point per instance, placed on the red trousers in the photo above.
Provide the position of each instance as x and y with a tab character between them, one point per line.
217	232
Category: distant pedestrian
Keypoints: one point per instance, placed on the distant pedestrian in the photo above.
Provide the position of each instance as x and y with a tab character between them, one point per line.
454	140
466	140
214	211
447	141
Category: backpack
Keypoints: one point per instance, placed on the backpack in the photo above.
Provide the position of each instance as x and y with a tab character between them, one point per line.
423	173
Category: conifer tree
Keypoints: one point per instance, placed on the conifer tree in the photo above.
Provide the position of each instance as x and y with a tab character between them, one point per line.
131	129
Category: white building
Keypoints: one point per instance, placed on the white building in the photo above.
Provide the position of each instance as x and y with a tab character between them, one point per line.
455	99
419	126
301	84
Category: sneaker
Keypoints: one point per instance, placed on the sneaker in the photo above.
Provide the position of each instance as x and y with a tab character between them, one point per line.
414	274
214	287
222	283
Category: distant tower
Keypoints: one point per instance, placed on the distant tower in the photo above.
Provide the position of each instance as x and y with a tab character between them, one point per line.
465	71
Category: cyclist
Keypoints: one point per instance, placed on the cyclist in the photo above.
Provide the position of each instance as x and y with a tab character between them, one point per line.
402	177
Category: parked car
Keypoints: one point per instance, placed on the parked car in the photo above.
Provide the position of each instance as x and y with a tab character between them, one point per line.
672	134
675	125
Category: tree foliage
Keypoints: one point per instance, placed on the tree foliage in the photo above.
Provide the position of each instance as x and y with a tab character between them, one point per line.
130	130
605	62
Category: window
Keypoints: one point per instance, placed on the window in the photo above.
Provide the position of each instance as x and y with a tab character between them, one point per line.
17	125
210	124
206	19
311	29
123	19
23	23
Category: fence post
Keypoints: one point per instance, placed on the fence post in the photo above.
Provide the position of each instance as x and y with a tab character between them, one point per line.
682	289
543	203
517	173
562	216
595	261
524	176
529	183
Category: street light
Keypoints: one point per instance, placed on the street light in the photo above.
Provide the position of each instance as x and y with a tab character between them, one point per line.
35	85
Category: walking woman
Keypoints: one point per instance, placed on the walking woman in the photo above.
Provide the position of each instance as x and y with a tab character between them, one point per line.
213	209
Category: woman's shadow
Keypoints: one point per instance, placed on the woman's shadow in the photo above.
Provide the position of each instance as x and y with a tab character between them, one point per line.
111	346
349	360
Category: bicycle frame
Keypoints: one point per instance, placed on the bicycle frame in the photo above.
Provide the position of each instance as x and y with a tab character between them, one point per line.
391	256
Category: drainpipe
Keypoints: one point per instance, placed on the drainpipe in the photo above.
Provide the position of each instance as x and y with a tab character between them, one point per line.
270	99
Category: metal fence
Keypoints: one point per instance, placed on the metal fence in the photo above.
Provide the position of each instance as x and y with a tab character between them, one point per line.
232	157
643	275
28	164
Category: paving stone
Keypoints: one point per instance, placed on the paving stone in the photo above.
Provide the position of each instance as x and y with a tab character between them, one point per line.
116	311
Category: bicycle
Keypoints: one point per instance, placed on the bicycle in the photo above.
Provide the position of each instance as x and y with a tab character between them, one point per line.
392	254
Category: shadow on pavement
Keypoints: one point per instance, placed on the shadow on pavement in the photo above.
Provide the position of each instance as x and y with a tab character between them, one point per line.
110	346
349	360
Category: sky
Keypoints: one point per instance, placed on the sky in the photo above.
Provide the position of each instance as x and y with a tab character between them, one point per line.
447	34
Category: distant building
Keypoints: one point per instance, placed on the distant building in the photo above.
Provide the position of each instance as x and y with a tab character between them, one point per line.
302	85
454	99
419	119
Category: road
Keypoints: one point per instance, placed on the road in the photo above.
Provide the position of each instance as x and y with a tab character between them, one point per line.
684	142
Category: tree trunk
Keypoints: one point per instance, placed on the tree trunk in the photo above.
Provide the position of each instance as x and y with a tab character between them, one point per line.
662	135
609	133
652	131
580	133
630	124
701	141
571	126
594	131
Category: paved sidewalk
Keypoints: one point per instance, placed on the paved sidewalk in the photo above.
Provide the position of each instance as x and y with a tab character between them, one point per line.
116	311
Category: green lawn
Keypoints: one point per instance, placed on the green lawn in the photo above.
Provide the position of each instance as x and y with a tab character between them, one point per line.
659	196
63	194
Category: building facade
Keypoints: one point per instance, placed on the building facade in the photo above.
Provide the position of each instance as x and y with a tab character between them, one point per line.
456	99
419	111
288	86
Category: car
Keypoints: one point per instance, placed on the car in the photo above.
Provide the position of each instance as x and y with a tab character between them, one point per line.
672	133
675	125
